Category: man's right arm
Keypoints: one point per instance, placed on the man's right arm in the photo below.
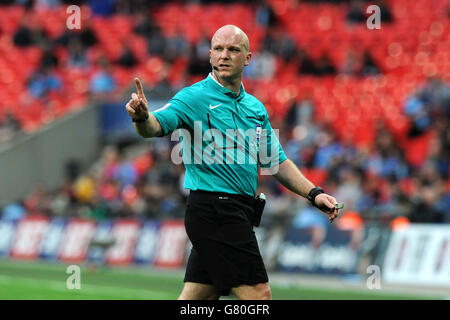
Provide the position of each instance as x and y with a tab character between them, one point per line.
150	128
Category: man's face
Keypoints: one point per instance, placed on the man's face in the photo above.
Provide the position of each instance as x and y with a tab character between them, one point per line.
229	54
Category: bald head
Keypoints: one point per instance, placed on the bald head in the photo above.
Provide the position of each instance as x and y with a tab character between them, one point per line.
231	33
229	54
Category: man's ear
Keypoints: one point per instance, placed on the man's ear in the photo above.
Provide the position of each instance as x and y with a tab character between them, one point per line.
248	58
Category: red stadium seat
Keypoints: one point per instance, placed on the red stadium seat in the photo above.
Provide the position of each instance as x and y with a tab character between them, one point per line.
317	28
315	175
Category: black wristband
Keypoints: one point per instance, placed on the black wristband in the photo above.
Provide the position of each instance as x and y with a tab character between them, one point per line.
140	120
313	193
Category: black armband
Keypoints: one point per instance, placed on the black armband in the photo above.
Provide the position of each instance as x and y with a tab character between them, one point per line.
313	193
140	120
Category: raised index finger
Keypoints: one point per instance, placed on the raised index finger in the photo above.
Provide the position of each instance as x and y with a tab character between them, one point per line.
140	90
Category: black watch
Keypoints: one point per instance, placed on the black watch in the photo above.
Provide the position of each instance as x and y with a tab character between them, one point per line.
140	120
313	193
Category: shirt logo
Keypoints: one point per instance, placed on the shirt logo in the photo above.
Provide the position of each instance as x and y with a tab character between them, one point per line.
163	108
213	107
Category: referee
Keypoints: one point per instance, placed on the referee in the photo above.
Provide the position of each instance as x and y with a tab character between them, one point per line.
225	256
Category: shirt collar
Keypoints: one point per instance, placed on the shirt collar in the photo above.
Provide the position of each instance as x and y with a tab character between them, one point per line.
225	90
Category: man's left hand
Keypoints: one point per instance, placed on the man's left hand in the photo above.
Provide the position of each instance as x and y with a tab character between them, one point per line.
326	203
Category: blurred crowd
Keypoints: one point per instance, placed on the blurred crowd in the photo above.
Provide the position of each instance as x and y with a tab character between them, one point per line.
78	51
378	183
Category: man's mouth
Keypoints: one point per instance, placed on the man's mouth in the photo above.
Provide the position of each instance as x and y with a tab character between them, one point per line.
224	66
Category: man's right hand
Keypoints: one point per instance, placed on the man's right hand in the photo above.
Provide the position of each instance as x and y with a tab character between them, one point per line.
137	107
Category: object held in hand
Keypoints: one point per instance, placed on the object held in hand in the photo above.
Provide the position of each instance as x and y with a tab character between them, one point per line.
339	205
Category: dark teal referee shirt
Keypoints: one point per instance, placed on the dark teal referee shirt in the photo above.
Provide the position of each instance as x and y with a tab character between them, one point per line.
224	137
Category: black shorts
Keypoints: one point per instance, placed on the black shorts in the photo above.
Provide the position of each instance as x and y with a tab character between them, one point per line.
224	251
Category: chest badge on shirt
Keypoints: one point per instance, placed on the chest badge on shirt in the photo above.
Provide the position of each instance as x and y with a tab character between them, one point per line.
258	130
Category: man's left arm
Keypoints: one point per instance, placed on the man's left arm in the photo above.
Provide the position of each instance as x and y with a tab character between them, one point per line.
292	178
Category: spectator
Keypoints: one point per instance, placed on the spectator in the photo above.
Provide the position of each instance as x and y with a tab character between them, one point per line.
300	113
102	82
13	212
162	90
86	36
311	219
385	12
262	66
120	191
436	94
103	8
45	4
156	42
60	204
125	173
279	43
129	7
426	206
386	160
349	188
23	37
199	59
42	82
287	48
329	147
77	54
269	42
352	63
84	188
375	198
127	58
265	16
105	167
9	127
307	65
439	156
369	67
325	67
143	24
355	13
36	202
177	46
416	111
49	60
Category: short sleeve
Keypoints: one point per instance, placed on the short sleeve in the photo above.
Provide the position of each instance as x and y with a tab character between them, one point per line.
271	152
175	114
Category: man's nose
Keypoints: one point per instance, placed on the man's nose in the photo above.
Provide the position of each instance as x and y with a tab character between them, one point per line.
224	54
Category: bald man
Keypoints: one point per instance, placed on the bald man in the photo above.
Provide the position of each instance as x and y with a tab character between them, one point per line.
222	206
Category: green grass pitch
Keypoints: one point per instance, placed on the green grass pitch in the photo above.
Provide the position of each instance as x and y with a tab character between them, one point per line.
47	281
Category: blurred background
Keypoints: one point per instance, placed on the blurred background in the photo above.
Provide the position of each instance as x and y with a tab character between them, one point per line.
364	114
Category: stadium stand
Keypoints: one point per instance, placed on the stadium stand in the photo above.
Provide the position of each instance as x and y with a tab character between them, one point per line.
363	114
